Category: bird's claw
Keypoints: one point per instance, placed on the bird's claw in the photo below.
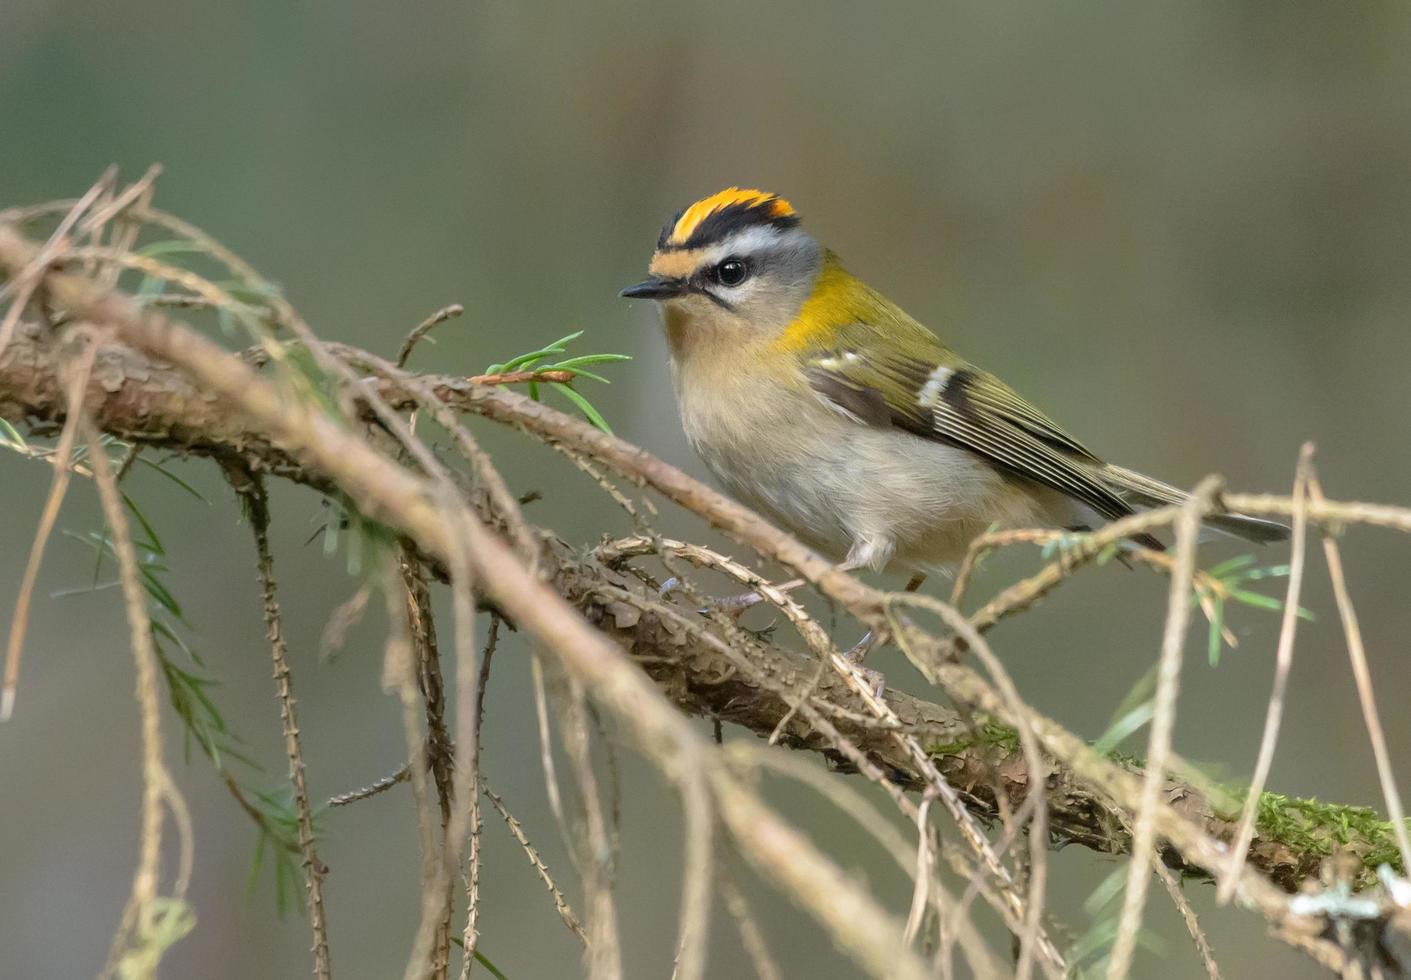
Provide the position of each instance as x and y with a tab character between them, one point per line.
874	679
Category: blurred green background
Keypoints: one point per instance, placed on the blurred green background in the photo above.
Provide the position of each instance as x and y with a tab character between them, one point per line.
1182	228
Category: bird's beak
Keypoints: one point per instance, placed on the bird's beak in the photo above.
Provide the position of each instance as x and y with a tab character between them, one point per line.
657	287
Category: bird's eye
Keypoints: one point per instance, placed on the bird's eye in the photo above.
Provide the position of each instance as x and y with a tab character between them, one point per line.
732	272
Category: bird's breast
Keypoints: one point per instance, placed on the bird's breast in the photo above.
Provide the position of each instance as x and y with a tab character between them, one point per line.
832	481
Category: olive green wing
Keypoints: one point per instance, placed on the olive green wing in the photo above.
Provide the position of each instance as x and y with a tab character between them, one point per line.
923	388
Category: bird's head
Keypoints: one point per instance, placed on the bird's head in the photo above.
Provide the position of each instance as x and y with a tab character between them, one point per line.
734	266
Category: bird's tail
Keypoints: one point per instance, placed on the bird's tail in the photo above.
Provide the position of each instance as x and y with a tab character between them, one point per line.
1146	492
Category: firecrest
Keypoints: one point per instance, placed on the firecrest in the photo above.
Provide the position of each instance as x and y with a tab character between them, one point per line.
818	402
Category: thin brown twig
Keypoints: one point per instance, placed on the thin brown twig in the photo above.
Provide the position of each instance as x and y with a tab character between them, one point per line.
1283	662
467	767
470	937
920	893
136	195
1362	674
546	760
861	810
751	936
560	375
1031	936
870	935
1207	587
257	501
399	677
26	280
1163	719
614	781
540	868
58	487
697	876
124	236
504	504
1023	594
143	951
813	634
425	327
1188	916
381	786
604	945
421	625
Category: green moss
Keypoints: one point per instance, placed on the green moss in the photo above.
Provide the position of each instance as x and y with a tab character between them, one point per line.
1311	826
948	748
1000	736
1125	759
990	734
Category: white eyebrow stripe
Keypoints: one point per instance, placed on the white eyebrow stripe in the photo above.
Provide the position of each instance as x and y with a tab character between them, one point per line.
750	241
934	387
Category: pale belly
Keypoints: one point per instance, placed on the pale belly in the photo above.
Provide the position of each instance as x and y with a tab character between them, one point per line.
882	498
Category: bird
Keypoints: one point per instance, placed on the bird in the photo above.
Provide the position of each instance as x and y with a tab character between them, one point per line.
822	405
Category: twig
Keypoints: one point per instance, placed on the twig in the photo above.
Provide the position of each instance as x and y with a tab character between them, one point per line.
920	897
381	786
546	761
1206	586
814	635
751	938
849	801
1031	935
24	281
561	375
143	913
253	491
471	935
697	876
425	327
399	677
1163	720
1366	695
1023	594
1202	942
604	946
58	487
1282	665
137	195
468	704
870	935
560	903
505	506
421	624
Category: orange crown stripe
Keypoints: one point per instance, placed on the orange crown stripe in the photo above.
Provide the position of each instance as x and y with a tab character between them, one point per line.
749	197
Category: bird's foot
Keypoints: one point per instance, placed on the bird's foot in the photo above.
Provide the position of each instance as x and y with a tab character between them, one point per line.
875	680
733	606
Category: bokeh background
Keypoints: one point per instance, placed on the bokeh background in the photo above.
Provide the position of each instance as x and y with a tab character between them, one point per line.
1182	228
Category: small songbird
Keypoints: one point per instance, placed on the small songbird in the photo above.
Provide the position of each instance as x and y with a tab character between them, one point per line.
818	402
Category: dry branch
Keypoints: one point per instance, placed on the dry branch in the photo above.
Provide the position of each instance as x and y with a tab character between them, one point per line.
158	384
386	492
151	403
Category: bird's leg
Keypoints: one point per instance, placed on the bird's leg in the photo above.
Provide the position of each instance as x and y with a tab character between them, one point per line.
735	605
869	640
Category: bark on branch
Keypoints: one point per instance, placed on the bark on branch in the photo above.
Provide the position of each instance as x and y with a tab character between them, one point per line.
151	403
158	384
